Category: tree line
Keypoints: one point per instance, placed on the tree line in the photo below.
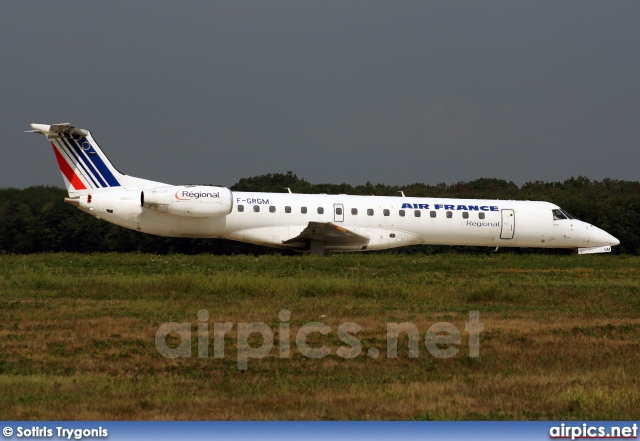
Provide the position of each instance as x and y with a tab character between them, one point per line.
35	219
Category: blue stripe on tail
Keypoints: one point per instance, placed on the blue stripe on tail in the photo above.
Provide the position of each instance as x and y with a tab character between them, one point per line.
68	149
82	159
99	163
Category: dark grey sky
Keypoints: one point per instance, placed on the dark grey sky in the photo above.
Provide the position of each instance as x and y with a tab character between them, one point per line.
337	91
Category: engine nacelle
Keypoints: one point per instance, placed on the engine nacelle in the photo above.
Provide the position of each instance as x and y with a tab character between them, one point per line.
188	200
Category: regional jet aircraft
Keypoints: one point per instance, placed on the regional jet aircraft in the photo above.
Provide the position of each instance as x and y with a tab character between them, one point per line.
306	222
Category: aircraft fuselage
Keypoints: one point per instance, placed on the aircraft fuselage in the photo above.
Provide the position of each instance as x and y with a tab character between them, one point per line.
272	219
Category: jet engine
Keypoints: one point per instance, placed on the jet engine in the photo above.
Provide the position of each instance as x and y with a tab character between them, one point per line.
188	200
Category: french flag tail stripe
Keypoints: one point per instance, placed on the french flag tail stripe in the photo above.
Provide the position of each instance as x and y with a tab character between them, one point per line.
91	156
73	164
86	164
79	166
100	165
68	173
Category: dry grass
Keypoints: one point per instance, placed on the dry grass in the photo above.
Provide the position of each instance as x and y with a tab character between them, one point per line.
560	340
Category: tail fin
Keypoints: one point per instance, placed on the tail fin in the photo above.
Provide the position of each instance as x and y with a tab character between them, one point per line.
85	168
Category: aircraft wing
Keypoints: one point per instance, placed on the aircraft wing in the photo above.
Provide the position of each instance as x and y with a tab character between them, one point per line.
331	235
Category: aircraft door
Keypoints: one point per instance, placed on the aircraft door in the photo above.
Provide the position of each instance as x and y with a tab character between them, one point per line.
338	212
508	224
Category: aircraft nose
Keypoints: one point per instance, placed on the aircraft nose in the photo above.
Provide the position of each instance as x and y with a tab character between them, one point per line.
605	238
614	241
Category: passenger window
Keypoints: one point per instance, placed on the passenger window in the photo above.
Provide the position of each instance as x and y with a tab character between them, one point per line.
303	210
480	215
449	215
465	215
256	208
386	212
417	213
272	209
354	211
287	209
240	208
432	214
320	210
338	211
369	211
401	213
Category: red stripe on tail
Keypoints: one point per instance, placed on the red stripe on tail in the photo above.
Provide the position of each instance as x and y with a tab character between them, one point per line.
67	171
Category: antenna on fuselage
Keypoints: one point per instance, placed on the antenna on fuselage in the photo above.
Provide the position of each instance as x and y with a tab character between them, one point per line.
402	193
289	189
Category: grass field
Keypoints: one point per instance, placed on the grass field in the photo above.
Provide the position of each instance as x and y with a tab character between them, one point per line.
561	337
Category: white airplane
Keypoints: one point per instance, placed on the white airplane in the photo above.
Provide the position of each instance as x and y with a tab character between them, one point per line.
306	222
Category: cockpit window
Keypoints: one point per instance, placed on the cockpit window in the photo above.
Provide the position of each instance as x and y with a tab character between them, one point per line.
561	214
558	214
